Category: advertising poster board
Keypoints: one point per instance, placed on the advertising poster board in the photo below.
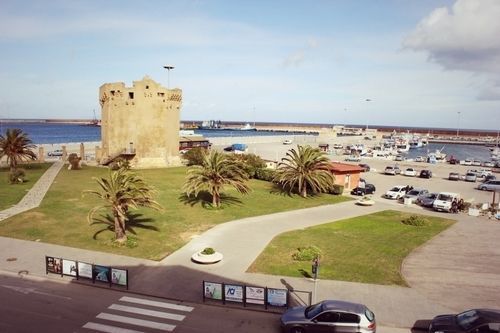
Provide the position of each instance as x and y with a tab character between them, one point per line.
119	276
69	267
53	265
212	290
101	273
84	270
233	293
276	297
255	295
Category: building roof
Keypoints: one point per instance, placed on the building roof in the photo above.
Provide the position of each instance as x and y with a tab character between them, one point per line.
345	167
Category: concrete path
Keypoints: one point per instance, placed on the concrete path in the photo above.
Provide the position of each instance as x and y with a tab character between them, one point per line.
35	195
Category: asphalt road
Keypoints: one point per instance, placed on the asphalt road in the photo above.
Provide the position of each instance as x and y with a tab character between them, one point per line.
38	305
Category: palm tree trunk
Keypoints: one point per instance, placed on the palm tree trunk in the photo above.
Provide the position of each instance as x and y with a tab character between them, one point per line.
303	192
120	235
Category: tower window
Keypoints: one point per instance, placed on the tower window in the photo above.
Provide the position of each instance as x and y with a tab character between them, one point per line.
131	95
147	87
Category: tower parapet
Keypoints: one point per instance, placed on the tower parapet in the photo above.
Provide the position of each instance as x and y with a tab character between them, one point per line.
143	119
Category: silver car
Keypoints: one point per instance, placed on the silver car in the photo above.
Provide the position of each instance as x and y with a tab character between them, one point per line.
329	316
490	185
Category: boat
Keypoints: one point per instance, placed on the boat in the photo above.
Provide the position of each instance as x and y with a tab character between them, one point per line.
437	156
248	127
403	147
415	143
94	122
210	124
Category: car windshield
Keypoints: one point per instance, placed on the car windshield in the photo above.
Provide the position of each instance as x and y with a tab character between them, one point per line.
467	319
445	197
431	196
388	168
414	192
313	310
395	189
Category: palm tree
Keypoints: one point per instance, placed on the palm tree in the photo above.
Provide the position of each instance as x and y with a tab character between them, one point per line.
305	168
121	191
17	147
215	172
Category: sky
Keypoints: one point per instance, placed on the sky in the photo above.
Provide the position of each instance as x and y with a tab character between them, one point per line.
426	63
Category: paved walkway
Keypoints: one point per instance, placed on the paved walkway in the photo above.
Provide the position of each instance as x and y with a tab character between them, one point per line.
35	195
436	291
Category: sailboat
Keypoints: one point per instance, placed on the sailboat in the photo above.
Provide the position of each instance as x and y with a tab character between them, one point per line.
94	121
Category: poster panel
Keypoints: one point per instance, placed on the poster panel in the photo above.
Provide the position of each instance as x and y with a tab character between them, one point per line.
54	265
84	270
276	297
101	273
212	290
255	295
69	267
233	293
119	276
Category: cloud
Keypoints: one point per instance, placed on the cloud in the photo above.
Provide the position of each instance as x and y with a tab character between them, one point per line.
463	38
296	58
490	92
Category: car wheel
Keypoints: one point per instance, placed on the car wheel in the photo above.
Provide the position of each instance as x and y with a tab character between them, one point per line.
297	329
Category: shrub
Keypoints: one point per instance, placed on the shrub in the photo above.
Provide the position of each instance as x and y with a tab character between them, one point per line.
337	189
307	253
74	161
249	162
195	156
16	176
264	174
415	220
208	250
120	163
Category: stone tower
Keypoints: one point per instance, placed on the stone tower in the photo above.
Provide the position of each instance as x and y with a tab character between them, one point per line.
141	123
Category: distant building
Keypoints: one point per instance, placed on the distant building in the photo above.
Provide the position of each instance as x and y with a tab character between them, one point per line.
140	123
347	175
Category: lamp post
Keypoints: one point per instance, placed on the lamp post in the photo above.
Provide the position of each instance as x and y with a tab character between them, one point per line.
458	124
168	68
367	100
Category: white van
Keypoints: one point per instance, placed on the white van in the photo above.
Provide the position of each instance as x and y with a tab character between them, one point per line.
444	200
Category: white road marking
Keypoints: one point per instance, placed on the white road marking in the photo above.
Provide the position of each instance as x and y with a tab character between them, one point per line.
157	304
138	322
108	329
147	312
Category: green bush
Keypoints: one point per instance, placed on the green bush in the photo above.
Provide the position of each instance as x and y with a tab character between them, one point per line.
120	163
415	220
307	253
264	174
208	250
337	189
249	162
195	156
17	176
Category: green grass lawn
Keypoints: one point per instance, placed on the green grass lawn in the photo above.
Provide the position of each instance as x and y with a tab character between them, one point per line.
10	194
61	218
368	249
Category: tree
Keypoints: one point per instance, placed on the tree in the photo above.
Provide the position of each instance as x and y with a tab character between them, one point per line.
305	168
195	156
17	147
250	163
122	191
215	172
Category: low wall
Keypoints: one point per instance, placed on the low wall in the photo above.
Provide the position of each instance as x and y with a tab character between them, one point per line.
299	138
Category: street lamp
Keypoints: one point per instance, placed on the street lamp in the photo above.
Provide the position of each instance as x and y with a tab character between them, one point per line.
168	68
367	100
458	123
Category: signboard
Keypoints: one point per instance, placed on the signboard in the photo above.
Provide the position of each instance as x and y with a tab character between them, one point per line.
233	293
212	290
53	265
101	273
84	270
276	297
255	295
119	276
69	267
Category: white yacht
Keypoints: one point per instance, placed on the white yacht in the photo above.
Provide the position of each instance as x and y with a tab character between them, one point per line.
248	127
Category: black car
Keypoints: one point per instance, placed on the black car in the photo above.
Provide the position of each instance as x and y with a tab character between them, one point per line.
425	174
477	321
364	166
368	189
489	177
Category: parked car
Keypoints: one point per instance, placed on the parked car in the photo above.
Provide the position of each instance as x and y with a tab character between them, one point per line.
489	177
476	162
287	142
365	167
454	176
468	161
414	194
490	185
368	189
488	164
453	160
399	158
352	158
329	316
57	152
476	320
470	177
392	170
425	174
419	159
410	172
426	200
396	192
480	172
444	200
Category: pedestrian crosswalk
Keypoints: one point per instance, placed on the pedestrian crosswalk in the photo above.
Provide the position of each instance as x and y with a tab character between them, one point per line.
138	315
